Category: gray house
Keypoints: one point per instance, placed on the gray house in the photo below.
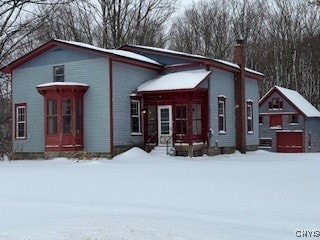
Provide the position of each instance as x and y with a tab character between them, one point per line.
288	122
71	97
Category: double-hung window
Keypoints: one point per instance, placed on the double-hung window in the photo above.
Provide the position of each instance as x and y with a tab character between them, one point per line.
135	117
249	117
21	121
182	119
58	73
222	114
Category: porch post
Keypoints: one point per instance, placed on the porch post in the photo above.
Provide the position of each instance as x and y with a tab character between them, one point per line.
190	130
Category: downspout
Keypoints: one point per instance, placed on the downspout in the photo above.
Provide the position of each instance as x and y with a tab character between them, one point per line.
240	59
111	103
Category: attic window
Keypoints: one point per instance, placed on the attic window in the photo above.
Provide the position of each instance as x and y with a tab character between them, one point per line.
58	73
275	104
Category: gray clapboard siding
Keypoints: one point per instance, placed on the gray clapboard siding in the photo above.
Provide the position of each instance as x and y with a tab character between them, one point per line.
312	131
126	79
58	55
222	83
24	91
95	73
252	93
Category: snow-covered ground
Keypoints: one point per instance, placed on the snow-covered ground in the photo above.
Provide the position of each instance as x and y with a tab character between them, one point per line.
139	196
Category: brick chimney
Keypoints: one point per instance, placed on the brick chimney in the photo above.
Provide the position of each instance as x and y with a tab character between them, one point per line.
240	59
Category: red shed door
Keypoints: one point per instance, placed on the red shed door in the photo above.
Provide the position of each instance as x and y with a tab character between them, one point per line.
290	142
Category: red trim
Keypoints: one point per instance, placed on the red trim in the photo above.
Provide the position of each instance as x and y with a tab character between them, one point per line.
111	103
273	90
15	120
60	141
174	98
135	63
53	43
27	57
183	66
200	60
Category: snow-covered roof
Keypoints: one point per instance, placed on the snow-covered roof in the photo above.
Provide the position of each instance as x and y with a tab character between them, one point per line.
169	51
174	81
62	84
121	53
197	56
237	66
300	102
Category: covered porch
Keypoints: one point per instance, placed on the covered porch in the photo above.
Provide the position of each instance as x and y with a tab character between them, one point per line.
175	112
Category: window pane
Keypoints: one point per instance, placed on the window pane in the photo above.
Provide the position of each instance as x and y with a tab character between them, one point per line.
134	108
52	124
21	130
66	110
249	122
52	107
135	124
135	116
181	121
58	73
164	127
164	114
221	124
79	116
197	130
66	124
66	107
196	119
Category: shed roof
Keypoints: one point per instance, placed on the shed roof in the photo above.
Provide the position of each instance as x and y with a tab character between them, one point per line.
184	80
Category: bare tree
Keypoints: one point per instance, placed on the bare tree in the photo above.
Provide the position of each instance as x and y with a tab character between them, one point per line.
205	29
5	115
134	21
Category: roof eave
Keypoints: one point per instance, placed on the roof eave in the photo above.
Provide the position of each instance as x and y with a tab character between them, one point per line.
53	43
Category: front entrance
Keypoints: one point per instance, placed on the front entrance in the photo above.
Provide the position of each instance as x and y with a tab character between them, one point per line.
165	124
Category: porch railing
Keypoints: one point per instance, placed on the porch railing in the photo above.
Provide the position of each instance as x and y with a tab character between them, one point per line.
167	144
150	139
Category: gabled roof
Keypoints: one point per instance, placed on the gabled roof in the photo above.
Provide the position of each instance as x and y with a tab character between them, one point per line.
204	60
184	80
295	99
125	55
